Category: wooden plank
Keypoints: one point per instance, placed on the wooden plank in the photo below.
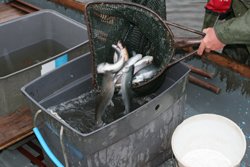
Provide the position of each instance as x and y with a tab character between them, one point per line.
200	71
15	9
4	6
9	18
15	127
28	5
71	4
204	84
8	13
228	63
224	61
37	149
31	157
24	6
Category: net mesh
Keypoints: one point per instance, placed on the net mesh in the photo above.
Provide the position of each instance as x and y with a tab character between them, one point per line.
139	28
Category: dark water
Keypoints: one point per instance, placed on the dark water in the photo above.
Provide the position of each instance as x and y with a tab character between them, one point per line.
79	112
234	100
28	56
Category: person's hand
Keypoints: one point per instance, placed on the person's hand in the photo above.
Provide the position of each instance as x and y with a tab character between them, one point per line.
209	42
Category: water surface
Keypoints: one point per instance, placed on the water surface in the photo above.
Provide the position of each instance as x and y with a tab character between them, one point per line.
28	56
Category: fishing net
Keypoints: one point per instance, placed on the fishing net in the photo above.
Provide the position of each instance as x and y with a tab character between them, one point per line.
158	6
139	28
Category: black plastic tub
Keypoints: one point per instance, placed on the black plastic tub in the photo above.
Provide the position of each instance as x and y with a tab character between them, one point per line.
140	138
30	46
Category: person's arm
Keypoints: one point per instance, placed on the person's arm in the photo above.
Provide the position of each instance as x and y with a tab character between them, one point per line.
209	19
214	8
235	30
210	42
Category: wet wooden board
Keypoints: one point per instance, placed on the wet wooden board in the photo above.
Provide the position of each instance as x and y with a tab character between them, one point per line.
225	62
24	6
15	127
73	4
8	12
18	125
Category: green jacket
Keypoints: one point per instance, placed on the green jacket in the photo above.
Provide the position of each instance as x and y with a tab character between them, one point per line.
235	30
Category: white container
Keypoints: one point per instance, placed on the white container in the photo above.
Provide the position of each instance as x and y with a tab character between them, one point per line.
208	140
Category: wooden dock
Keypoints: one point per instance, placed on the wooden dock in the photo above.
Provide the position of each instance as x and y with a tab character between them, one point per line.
17	125
7	12
14	127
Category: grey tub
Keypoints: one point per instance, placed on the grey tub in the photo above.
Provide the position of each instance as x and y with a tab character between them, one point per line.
141	138
29	30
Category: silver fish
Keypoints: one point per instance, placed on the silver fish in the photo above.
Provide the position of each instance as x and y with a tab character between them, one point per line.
116	54
129	63
118	64
144	74
126	87
120	49
107	67
123	50
115	57
105	97
145	61
133	60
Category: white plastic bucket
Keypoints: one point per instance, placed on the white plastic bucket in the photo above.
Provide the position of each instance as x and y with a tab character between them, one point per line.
208	140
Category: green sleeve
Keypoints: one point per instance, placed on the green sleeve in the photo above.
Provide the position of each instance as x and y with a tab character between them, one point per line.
235	30
209	19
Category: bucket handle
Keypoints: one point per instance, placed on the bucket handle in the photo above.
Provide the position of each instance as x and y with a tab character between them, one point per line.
44	144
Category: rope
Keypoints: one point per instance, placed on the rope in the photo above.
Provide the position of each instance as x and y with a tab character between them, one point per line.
63	148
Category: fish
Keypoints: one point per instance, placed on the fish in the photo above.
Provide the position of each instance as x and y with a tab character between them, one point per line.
144	64
129	63
126	87
123	50
116	54
133	60
145	74
120	49
115	57
118	64
105	97
145	61
107	67
138	61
